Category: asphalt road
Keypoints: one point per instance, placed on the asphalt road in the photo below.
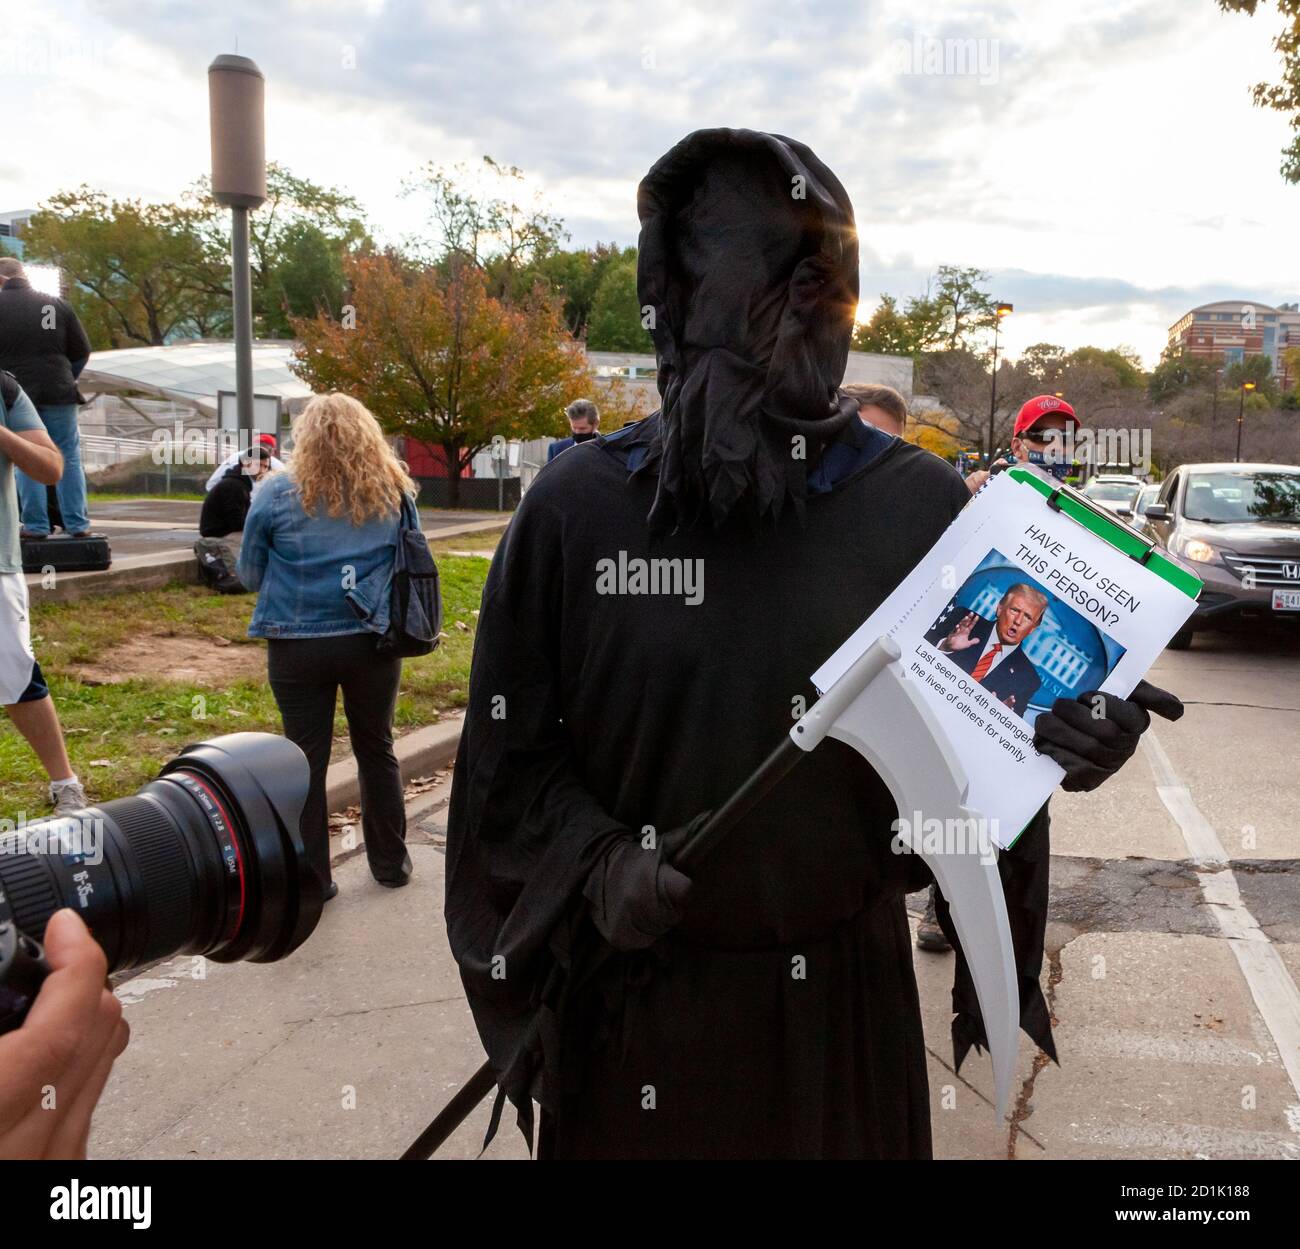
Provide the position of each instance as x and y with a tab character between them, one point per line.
1173	961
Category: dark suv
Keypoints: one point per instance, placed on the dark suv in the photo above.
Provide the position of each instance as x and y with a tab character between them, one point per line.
1238	526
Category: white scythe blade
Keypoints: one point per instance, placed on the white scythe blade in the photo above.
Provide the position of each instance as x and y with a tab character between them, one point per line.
875	709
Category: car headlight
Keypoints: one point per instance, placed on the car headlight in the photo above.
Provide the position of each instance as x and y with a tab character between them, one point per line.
1201	552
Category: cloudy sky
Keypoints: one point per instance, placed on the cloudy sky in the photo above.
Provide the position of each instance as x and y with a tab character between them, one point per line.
1100	158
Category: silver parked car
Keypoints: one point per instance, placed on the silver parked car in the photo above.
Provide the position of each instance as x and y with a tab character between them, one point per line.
1115	492
1238	526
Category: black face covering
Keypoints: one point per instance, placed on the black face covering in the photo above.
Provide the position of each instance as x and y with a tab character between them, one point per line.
749	260
583	437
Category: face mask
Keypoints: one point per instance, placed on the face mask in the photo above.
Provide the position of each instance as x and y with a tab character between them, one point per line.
1058	470
583	437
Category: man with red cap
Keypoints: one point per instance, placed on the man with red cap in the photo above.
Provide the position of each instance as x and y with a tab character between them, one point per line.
266	441
1038	437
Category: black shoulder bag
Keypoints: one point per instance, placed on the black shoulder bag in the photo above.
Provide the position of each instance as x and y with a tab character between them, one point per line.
415	602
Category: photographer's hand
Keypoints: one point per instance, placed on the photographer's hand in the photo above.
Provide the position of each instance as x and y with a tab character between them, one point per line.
53	1068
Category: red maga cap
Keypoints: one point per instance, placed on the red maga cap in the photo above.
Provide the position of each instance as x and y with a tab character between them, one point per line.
1039	407
268	440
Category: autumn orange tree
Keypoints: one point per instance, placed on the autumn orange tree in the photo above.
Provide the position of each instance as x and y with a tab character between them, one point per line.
436	357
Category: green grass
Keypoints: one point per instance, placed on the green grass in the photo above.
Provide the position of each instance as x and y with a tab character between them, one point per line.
119	734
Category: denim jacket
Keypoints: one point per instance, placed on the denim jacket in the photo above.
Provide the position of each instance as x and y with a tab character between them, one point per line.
317	576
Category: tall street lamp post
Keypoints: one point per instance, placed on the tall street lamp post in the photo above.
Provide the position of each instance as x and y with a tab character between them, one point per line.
1214	410
236	107
1241	410
1002	310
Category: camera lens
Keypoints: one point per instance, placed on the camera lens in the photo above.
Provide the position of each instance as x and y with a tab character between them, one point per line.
207	859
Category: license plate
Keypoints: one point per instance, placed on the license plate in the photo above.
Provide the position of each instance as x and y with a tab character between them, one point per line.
1286	600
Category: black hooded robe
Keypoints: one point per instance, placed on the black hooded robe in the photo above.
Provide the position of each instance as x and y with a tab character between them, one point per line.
781	1019
648	629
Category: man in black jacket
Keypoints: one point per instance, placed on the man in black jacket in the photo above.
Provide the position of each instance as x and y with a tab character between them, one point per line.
44	346
226	505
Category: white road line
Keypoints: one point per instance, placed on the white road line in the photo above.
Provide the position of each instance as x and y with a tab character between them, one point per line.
1276	996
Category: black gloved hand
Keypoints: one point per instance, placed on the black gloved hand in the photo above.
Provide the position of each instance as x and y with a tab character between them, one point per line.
636	894
1093	745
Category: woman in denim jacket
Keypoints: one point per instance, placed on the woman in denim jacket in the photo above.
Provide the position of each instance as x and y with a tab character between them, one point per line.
318	547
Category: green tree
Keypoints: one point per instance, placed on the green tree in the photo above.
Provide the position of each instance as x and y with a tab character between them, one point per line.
575	276
480	217
953	314
908	331
306	276
1123	366
616	312
1291	400
1257	369
298	241
965	307
138	274
1044	362
1284	96
1179	372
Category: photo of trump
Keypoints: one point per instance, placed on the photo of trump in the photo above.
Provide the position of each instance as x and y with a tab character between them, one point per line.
1022	644
990	650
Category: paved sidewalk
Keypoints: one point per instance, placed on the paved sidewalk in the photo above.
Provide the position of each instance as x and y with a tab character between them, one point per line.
344	1050
1171	980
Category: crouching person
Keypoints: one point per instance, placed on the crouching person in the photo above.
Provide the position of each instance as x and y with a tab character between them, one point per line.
221	522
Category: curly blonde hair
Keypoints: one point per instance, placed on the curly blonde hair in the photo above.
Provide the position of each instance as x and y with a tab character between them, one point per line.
341	463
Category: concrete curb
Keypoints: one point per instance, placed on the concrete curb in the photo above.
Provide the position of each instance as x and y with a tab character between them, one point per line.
136	572
418	754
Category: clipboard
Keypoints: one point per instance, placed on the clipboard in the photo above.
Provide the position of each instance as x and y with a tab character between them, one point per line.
1070	502
1102	629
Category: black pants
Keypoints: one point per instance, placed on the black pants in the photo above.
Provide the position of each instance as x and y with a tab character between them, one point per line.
306	674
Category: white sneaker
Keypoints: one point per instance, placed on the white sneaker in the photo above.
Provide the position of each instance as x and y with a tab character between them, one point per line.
68	798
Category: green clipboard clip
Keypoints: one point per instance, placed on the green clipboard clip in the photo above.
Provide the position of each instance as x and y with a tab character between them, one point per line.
1107	526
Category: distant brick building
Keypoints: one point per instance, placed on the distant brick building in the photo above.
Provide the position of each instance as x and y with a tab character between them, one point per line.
1233	329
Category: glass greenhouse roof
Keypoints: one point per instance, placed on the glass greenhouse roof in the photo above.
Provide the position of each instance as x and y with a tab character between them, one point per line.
193	372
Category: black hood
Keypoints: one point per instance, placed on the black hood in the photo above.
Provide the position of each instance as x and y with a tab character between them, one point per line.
748	263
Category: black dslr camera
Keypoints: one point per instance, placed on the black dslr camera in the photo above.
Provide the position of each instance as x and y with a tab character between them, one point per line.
207	859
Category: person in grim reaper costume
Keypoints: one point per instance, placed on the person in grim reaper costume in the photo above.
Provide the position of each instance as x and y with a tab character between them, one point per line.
649	624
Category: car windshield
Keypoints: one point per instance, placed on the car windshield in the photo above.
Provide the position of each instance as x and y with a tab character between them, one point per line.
1112	492
1229	496
1145	499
